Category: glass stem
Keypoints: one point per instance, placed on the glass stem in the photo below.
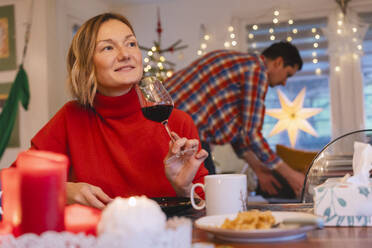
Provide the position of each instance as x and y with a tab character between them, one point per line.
165	123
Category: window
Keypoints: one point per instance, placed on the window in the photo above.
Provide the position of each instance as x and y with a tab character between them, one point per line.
307	36
367	69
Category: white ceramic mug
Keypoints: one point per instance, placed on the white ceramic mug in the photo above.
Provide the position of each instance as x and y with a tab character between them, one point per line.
224	194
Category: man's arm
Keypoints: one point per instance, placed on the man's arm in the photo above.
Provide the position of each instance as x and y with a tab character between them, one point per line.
267	181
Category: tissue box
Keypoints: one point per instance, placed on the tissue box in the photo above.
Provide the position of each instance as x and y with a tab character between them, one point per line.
343	204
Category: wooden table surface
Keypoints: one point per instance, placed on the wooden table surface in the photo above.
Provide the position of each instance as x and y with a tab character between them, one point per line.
327	237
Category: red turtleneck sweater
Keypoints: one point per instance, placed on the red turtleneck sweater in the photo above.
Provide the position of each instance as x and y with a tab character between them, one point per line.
114	146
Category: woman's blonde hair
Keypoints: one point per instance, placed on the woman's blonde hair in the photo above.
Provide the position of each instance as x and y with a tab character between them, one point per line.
81	79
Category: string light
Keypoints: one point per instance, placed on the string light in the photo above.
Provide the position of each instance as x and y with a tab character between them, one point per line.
314	54
153	48
232	36
295	30
289	39
250	36
355	29
316	45
271	30
150	53
290	21
313	30
272	37
204	39
337	69
275	20
146	60
255	27
315	61
317	36
276	13
162	58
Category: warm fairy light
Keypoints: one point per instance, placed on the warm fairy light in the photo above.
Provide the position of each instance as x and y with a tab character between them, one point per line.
230	28
317	36
337	69
232	36
355	30
360	47
199	52
339	23
272	37
316	45
289	38
295	30
315	61
318	71
290	21
206	37
153	48
276	13
162	59
355	56
255	27
148	67
145	69
132	202
254	45
227	44
250	36
146	60
275	20
150	53
314	54
271	30
169	73
203	46
354	39
313	30
339	31
234	43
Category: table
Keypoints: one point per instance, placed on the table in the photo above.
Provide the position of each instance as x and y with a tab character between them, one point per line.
328	237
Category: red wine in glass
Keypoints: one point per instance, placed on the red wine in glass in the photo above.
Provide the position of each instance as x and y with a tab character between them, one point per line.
158	113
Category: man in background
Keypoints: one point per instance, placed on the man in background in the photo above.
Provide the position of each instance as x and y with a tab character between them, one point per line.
224	92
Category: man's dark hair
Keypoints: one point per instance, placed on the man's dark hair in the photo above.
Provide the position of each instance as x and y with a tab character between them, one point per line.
287	51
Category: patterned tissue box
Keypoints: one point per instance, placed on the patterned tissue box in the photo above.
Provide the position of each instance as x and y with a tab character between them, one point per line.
343	204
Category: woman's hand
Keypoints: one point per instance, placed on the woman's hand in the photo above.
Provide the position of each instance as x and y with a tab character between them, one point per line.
181	171
86	194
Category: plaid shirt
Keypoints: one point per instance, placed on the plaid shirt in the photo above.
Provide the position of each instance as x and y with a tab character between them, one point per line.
224	92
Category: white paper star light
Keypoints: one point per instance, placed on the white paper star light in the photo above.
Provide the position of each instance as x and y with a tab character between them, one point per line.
292	116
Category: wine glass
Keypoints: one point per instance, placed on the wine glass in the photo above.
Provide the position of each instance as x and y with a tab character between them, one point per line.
157	105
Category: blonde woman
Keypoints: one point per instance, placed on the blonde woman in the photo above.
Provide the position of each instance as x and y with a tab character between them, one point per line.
113	149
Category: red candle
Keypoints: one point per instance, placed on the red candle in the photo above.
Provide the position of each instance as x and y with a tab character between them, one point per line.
79	218
5	228
10	198
42	190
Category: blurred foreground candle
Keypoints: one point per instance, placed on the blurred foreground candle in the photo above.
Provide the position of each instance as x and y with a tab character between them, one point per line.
79	218
42	190
10	198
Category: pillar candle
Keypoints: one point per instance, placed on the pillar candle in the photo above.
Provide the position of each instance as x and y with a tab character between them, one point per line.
42	190
10	198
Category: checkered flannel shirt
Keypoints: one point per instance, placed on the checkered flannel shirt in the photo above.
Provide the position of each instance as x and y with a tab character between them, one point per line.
224	92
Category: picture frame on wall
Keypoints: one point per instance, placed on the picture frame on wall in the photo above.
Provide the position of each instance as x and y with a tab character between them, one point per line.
7	38
15	136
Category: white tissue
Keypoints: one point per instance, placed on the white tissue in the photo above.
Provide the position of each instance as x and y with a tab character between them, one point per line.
362	164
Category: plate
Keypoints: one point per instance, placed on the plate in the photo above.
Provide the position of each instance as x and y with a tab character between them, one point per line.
212	225
174	205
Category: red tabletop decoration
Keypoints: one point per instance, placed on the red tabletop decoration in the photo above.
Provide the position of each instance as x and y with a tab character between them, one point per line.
79	218
10	199
42	190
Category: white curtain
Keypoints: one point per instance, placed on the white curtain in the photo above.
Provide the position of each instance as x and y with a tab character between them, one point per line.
345	35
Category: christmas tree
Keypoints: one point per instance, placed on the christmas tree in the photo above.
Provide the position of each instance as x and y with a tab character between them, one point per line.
155	63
